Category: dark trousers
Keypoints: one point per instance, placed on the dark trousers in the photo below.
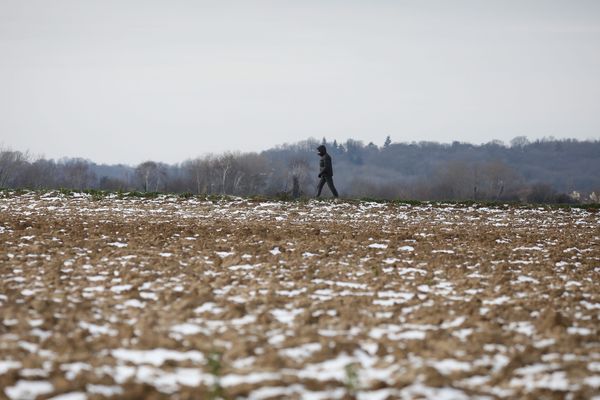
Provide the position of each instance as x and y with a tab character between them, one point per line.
329	181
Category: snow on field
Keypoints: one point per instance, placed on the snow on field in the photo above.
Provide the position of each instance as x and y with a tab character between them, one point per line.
261	299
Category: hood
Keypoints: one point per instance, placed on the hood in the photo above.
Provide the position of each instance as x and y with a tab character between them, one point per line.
321	150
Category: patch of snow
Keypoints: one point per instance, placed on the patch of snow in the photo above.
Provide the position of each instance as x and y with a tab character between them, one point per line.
544	343
301	352
522	327
134	303
208	307
73	369
574	330
291	293
104	390
156	357
497	301
70	396
463	334
8	365
187	329
121	288
593	381
118	244
244	267
526	279
96	278
555	381
423	288
448	366
454	323
286	316
148	295
96	330
28	389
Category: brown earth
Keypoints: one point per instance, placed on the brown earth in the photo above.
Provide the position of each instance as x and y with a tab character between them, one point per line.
234	298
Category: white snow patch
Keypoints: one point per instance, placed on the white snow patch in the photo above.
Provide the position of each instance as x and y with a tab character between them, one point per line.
544	343
156	357
556	381
118	244
244	267
134	303
447	366
187	329
526	279
208	307
96	330
148	295
96	278
454	323
28	389
423	288
574	330
497	301
8	365
73	369
121	288
301	352
522	327
104	390
70	396
286	316
593	381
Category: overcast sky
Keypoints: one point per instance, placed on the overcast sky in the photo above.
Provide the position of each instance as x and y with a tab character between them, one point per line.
127	81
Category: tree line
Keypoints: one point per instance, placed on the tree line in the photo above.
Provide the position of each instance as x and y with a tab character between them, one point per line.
541	171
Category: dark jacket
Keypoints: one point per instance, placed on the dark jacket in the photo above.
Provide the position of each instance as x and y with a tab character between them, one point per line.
326	169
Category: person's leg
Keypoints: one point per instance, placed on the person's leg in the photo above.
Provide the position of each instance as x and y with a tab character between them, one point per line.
332	186
320	186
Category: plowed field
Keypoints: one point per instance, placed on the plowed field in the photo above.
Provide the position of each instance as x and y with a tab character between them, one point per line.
234	298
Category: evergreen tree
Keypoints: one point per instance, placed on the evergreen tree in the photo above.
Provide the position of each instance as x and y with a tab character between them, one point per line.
387	142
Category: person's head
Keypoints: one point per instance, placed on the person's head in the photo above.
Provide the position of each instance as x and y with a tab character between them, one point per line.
321	150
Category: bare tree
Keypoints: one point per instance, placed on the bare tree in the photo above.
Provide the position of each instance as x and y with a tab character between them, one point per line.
223	166
519	141
498	180
298	168
151	175
77	174
10	164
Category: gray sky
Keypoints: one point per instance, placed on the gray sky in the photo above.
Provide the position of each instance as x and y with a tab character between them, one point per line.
127	81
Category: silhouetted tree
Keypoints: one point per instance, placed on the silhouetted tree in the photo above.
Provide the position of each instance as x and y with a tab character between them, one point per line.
388	142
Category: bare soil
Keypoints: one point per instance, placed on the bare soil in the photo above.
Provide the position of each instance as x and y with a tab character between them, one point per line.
235	298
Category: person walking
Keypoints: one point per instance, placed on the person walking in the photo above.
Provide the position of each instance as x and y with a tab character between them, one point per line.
325	172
